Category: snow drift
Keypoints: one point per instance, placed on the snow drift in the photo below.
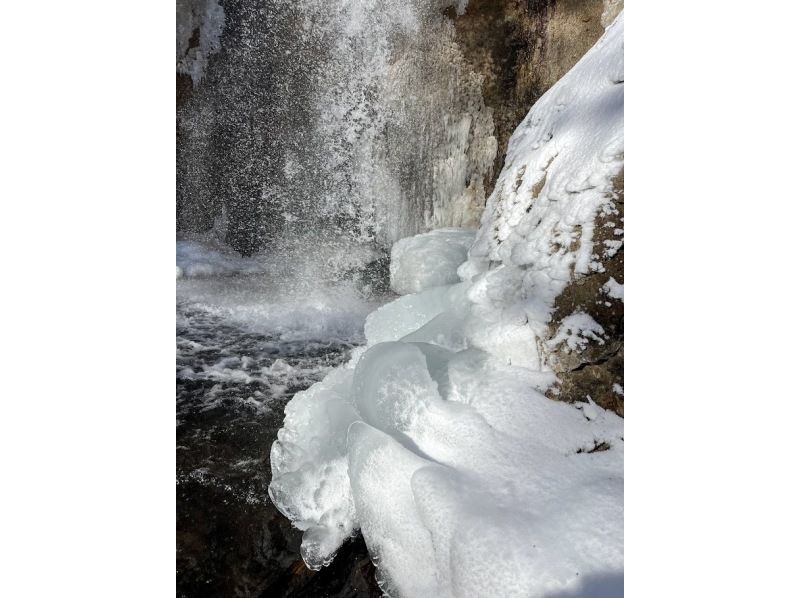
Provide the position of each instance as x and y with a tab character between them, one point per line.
436	440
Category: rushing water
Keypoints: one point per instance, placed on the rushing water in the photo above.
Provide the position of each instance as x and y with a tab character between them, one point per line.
357	120
250	335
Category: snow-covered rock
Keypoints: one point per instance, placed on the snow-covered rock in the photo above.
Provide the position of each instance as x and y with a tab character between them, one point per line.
538	226
437	440
429	260
576	331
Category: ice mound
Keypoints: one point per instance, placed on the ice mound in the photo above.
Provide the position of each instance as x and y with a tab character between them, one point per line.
463	478
429	260
436	440
419	314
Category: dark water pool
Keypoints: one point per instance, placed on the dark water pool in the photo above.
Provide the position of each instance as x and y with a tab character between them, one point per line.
232	386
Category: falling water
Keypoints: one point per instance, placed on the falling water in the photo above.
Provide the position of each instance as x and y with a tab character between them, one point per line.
358	120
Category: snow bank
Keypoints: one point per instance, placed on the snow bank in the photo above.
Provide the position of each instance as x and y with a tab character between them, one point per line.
436	440
538	225
429	260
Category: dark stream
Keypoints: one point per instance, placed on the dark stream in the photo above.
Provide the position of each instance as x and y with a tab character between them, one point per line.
232	386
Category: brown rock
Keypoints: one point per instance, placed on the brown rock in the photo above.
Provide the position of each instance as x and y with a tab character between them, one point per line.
594	371
521	48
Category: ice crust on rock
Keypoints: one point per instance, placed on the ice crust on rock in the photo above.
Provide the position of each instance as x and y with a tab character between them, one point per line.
436	440
429	260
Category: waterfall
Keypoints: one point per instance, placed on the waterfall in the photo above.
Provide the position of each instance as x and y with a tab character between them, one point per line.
344	120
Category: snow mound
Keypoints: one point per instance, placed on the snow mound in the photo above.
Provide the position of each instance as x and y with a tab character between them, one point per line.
436	440
429	260
536	234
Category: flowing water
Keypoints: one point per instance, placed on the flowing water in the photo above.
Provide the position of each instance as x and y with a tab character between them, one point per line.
249	336
353	119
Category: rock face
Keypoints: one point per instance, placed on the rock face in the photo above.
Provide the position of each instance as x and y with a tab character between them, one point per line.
521	48
372	121
597	370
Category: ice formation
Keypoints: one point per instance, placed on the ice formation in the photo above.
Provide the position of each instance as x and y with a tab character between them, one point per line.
204	19
429	260
436	439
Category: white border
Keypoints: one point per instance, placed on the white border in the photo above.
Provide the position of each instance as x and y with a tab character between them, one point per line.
87	429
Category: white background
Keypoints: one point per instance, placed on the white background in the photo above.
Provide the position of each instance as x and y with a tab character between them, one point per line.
87	225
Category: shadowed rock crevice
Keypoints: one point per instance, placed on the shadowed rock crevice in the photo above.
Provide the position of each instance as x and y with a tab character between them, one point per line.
521	48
